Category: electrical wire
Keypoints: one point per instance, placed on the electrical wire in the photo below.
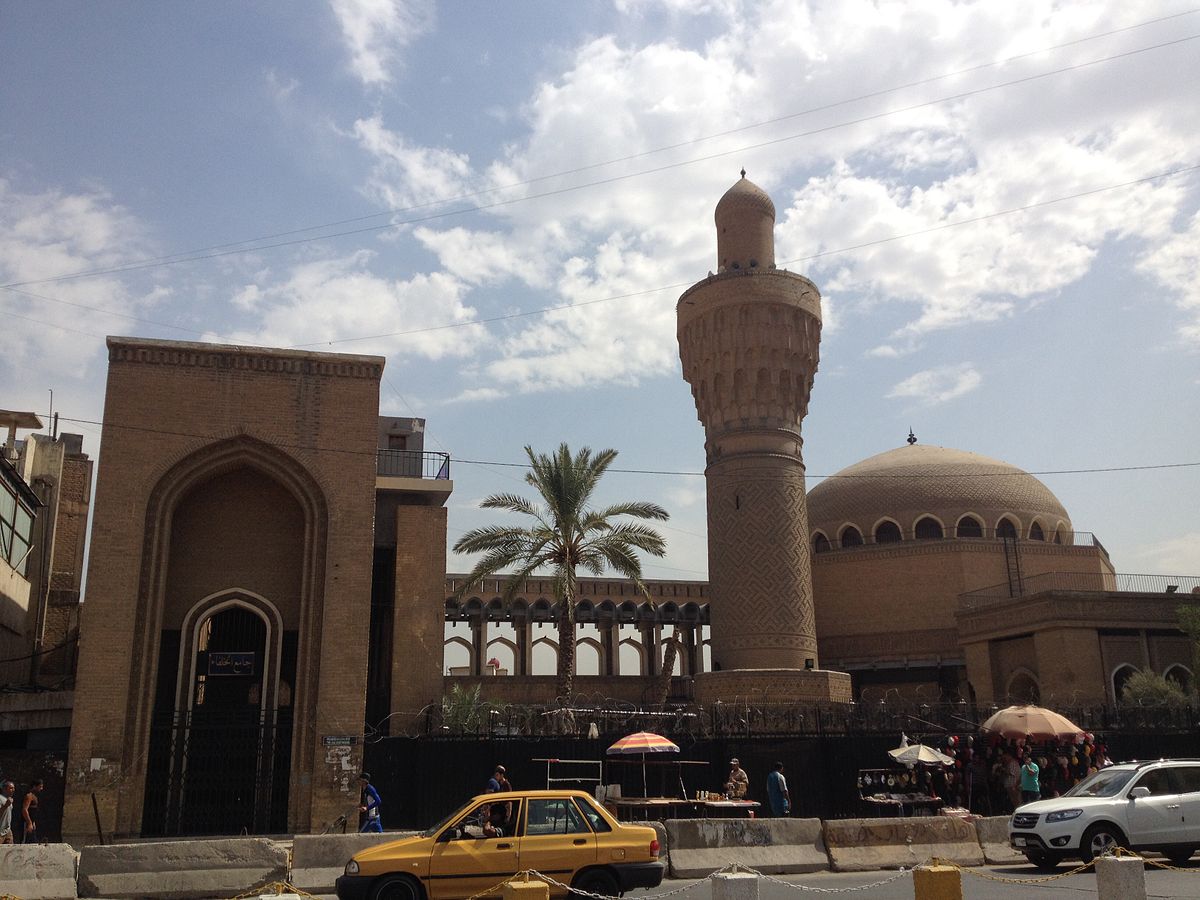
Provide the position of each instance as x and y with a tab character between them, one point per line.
216	254
663	149
933	472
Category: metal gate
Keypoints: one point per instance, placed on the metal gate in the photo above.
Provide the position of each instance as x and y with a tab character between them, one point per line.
220	751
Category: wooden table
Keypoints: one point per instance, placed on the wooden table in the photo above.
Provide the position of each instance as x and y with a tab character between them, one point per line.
660	808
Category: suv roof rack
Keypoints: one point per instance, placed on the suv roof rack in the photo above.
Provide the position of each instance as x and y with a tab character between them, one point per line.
1149	762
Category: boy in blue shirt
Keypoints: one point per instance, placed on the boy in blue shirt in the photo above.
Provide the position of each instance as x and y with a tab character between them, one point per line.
368	806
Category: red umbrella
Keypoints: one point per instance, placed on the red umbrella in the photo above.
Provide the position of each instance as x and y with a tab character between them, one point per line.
642	742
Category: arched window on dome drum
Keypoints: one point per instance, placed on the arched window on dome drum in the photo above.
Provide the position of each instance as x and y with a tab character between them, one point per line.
928	529
820	543
1036	533
852	537
968	526
1006	529
887	533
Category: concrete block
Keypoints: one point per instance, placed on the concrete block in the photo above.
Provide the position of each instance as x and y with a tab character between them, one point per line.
38	871
180	870
993	840
1120	878
525	890
318	859
699	847
937	883
864	845
735	886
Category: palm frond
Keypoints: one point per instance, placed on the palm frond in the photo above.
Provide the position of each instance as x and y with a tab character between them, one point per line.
638	510
511	502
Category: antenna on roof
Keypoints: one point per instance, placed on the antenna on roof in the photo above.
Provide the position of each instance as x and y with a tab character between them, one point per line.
912	438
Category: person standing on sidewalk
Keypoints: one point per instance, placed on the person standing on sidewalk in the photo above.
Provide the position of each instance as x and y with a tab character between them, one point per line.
1031	789
778	797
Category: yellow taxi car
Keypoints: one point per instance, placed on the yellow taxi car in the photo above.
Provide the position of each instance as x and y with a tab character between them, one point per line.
565	835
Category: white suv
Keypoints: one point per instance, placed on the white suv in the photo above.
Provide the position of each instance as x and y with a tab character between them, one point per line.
1139	806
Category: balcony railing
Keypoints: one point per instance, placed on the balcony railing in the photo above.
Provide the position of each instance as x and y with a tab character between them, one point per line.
1182	586
1060	538
413	464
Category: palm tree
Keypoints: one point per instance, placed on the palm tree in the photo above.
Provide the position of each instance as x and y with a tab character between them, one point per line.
565	534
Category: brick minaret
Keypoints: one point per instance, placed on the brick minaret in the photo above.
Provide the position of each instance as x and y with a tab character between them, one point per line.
748	339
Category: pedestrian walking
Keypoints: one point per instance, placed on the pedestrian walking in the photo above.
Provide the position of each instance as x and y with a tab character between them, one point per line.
8	791
778	797
29	811
369	818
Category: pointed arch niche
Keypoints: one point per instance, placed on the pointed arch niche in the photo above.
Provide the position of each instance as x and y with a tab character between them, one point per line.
233	560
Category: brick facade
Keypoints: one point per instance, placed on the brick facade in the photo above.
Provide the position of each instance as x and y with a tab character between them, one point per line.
226	472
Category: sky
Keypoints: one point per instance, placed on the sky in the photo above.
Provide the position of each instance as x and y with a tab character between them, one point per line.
999	202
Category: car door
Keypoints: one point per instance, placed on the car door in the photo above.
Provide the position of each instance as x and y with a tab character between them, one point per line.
465	861
1158	818
556	841
1189	799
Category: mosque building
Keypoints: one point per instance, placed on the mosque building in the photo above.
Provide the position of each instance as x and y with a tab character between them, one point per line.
268	571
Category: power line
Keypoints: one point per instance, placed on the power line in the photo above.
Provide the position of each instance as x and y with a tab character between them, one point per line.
633	156
799	259
933	472
219	253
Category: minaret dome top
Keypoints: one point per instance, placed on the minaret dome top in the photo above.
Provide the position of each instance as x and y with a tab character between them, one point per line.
745	220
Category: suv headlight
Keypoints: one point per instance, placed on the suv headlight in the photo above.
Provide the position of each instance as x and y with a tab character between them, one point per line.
1063	814
352	867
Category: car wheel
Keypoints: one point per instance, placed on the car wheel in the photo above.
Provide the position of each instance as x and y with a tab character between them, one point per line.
397	887
1047	862
1098	840
596	881
1179	855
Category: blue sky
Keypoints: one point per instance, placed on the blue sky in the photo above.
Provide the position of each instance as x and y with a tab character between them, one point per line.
1062	337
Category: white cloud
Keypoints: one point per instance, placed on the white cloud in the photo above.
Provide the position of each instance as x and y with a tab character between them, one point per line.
938	385
1175	556
320	304
377	31
917	172
59	326
1176	265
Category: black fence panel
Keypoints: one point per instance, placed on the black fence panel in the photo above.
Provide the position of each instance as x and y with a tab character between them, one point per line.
421	780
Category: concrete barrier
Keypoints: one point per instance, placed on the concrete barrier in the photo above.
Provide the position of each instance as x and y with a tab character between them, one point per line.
863	845
38	871
180	870
699	847
993	839
318	859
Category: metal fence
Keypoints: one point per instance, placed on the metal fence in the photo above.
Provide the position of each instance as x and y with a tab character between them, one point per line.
413	464
423	780
1184	586
954	533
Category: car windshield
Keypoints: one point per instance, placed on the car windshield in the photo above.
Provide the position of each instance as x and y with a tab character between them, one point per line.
434	829
1105	783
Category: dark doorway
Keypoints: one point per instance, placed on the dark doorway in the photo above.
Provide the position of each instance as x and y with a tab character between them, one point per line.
219	762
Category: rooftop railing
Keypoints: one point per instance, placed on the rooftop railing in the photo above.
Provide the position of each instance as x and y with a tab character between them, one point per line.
1088	582
413	464
1060	538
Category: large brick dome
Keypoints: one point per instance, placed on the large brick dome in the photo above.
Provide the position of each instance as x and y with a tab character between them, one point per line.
924	484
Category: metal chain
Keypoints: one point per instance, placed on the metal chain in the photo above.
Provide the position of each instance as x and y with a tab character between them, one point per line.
578	893
279	887
900	873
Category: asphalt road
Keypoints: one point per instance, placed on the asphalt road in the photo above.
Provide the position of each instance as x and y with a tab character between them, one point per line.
1160	885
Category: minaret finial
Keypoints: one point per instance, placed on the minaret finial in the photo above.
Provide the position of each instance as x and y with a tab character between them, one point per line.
912	438
743	171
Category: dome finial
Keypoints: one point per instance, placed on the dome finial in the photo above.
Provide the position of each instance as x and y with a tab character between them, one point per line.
743	171
912	438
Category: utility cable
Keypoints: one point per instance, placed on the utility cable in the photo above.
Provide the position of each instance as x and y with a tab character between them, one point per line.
216	254
933	472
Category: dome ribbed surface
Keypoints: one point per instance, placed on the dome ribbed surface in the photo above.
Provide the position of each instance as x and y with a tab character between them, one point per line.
915	480
744	195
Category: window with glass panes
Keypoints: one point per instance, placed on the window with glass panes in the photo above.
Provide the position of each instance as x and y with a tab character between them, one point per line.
16	529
